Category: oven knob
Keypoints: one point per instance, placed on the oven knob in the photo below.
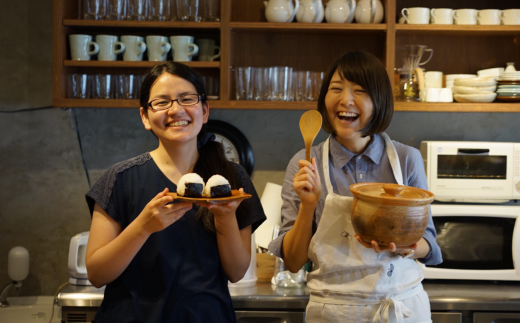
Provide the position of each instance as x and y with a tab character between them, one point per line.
518	186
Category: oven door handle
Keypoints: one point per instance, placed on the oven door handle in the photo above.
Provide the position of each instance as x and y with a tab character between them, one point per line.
473	151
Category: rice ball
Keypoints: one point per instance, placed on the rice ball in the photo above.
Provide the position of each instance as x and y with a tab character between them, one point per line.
190	185
217	186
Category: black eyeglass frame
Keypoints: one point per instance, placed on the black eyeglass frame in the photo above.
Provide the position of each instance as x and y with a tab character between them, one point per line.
199	98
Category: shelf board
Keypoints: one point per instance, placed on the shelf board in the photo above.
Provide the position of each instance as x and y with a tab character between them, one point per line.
458	29
140	24
302	105
305	27
141	64
457	107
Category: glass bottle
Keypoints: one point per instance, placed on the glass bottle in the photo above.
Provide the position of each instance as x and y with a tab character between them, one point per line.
407	89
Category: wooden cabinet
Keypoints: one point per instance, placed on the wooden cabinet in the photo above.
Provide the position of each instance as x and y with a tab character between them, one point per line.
247	39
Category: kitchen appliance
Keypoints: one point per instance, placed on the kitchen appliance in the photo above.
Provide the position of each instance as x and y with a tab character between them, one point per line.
470	171
77	253
478	242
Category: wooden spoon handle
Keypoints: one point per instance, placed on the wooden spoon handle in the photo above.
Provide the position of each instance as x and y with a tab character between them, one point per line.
308	151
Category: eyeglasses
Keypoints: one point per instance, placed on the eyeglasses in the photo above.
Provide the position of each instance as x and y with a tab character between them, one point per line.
165	104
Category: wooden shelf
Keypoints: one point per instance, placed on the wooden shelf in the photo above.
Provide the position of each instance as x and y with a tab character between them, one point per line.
303	105
305	27
457	107
141	64
458	29
140	24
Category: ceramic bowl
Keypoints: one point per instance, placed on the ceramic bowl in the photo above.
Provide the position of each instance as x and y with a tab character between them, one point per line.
483	98
451	77
476	81
497	71
473	89
390	213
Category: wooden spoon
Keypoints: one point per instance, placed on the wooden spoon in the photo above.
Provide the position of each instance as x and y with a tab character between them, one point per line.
310	125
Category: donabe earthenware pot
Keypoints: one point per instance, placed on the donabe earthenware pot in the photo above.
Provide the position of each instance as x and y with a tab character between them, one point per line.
390	213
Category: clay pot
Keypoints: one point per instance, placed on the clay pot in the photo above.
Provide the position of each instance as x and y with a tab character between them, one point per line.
390	213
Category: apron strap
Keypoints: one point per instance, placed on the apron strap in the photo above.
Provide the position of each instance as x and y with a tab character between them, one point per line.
394	160
326	170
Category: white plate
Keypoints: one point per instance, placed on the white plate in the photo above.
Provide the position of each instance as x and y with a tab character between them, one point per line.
484	98
473	89
476	81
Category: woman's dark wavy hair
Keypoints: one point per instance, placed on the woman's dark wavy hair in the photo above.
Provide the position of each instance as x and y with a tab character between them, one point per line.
212	159
367	71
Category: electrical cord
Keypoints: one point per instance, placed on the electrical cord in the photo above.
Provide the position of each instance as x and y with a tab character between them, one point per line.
80	146
55	299
28	109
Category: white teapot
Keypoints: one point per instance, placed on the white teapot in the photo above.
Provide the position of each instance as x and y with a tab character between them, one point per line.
310	11
339	11
280	10
369	12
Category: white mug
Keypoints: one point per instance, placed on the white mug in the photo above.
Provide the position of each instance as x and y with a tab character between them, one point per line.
158	47
510	16
465	16
445	95
107	47
433	94
418	16
135	47
207	50
488	17
433	79
80	47
183	48
441	16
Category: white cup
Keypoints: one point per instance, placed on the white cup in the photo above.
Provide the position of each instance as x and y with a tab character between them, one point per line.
135	47
433	79
107	47
80	47
465	16
441	16
432	94
158	47
488	17
183	48
417	16
510	16
445	95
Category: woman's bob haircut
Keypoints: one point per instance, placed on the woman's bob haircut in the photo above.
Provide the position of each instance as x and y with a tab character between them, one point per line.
368	72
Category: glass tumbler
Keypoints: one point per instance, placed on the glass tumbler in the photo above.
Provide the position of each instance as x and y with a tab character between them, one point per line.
78	86
280	78
243	82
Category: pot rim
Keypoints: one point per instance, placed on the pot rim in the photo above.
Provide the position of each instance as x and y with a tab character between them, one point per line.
391	200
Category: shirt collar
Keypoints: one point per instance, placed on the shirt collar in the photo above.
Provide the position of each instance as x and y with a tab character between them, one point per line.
341	156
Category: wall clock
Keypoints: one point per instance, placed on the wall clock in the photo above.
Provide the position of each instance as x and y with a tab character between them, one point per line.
236	146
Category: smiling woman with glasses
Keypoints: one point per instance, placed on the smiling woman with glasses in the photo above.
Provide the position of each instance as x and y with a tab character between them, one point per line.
163	260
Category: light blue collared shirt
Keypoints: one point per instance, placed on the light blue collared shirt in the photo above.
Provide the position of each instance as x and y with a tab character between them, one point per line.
348	168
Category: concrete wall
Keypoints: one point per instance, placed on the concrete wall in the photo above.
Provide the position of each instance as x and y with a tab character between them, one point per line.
42	178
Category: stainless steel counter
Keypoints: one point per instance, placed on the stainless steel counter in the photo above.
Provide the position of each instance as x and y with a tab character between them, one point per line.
467	296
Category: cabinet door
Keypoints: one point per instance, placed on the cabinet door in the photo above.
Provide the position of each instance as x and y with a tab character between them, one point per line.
446	317
496	318
269	317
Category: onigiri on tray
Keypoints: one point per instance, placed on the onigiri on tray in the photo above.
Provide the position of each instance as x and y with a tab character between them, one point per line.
191	188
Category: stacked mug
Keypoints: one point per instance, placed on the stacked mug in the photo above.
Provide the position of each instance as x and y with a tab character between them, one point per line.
107	47
448	16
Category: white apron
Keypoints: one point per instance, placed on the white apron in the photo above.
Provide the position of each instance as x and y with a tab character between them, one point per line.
352	283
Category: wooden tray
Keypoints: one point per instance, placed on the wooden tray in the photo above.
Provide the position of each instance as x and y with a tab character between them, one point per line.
235	195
